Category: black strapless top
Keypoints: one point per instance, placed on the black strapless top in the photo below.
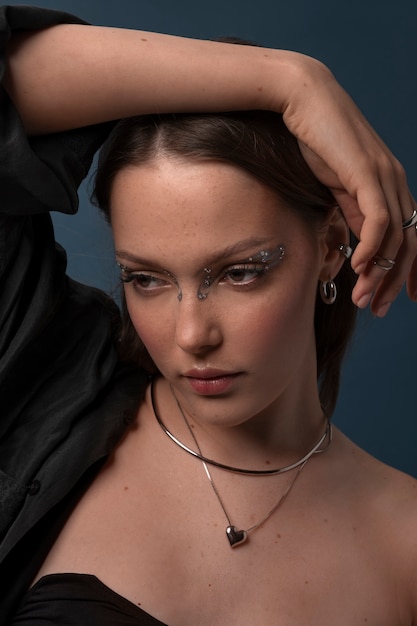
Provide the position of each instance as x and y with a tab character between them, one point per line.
78	600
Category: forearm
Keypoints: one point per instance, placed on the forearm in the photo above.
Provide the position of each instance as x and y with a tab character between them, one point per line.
74	75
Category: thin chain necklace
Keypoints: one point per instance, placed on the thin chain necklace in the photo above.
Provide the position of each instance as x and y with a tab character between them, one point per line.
238	536
235	536
316	449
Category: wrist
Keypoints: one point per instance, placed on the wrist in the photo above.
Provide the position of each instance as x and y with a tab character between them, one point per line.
303	78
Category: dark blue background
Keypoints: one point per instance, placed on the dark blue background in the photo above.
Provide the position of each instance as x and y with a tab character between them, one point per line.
371	47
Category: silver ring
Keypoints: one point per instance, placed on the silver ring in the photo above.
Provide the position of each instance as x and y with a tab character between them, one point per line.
384	263
411	220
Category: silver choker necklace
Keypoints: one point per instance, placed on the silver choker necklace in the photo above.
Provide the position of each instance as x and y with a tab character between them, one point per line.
236	536
316	449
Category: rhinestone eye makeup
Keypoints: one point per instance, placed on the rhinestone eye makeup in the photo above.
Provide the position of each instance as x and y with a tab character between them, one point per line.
258	263
267	258
127	275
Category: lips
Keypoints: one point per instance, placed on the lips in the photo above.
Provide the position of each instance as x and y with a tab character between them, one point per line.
211	381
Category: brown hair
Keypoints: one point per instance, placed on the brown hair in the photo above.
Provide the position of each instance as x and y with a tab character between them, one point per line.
259	143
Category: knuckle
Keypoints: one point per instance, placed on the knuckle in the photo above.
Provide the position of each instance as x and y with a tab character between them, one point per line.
382	219
400	172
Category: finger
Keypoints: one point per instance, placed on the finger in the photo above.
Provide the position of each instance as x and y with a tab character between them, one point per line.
374	283
350	210
375	217
411	238
394	280
383	211
373	279
412	280
387	280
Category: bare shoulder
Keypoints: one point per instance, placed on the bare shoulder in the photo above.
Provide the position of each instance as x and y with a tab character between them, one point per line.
385	492
387	503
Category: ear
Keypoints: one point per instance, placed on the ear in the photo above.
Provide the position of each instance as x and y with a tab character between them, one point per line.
335	234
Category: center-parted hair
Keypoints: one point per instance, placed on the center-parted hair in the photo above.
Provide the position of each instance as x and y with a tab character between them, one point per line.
260	144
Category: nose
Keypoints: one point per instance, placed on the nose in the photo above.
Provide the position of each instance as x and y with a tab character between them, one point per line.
198	325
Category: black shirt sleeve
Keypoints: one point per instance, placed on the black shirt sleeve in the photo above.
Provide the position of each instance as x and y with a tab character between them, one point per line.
57	349
36	176
65	399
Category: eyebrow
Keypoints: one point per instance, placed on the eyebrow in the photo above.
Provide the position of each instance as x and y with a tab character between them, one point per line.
244	245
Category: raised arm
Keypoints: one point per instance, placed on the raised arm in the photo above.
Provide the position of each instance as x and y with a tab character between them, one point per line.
73	75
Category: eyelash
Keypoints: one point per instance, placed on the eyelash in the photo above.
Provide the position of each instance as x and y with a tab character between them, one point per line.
257	271
131	276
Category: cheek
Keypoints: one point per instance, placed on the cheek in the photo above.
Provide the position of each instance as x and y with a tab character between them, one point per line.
153	326
275	332
282	328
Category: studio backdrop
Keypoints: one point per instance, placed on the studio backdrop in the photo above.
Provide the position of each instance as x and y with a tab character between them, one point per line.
371	47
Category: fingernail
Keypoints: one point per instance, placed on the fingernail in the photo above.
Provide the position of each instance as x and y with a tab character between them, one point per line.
383	310
360	268
364	300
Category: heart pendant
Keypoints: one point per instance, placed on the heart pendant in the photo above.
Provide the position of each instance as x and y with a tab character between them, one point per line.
235	536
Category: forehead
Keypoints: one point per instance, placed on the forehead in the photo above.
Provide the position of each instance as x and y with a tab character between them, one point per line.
193	206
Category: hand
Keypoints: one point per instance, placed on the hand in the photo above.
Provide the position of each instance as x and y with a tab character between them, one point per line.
368	183
100	83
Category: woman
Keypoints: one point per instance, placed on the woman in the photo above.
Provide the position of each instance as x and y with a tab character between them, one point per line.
134	513
222	236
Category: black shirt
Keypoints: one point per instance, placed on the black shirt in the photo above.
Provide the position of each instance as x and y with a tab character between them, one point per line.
78	600
65	399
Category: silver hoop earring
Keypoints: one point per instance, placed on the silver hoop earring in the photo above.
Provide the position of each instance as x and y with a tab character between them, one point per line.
328	291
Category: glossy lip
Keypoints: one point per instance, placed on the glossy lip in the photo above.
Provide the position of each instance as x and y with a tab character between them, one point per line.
210	381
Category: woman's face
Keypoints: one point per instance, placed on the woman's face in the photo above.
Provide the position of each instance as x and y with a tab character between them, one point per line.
223	286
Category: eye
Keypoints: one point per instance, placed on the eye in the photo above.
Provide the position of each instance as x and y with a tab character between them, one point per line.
143	282
147	282
244	274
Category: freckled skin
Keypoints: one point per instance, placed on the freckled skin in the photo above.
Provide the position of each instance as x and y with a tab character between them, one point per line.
342	548
178	213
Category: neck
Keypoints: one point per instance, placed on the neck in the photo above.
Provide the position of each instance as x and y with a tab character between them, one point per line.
259	443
